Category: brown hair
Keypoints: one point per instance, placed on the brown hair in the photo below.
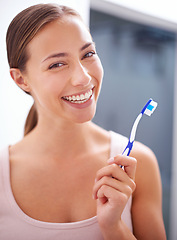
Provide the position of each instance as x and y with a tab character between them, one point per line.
21	31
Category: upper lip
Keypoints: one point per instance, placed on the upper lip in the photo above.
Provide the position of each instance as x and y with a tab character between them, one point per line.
83	92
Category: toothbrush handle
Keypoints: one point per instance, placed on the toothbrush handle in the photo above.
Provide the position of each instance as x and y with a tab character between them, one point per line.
128	148
127	151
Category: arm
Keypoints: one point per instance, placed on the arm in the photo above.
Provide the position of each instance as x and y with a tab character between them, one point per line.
112	195
112	189
147	197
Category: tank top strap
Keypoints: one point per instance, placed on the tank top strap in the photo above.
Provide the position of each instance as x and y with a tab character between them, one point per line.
118	143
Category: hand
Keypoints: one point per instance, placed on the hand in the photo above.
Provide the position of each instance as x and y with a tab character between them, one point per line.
112	189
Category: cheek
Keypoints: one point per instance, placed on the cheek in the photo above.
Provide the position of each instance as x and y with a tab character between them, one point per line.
99	72
52	83
47	89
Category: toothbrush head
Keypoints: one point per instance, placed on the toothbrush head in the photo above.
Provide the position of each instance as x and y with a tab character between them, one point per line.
149	108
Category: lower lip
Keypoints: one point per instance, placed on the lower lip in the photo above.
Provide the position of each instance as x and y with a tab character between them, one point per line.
80	105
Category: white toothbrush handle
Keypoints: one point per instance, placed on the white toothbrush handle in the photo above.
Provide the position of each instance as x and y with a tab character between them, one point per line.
129	146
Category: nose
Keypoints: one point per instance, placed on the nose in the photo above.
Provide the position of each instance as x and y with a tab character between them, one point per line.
80	75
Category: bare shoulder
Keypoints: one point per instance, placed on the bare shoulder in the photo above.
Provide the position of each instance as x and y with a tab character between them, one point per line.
147	163
148	179
147	197
142	151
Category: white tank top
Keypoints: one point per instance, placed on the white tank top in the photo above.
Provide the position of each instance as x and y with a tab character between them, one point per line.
15	224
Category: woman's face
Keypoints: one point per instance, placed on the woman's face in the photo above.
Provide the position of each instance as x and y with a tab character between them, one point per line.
64	71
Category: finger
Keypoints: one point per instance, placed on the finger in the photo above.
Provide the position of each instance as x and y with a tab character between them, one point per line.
129	164
115	198
113	183
113	176
113	170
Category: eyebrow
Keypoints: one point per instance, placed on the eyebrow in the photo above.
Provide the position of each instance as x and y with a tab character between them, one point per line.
55	55
63	54
87	45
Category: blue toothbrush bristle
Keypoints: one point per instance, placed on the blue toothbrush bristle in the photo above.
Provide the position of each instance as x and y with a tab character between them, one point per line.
150	108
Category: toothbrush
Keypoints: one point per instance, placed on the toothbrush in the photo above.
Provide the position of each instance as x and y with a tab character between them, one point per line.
148	109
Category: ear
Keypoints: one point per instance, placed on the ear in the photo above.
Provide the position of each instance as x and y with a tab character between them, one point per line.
19	79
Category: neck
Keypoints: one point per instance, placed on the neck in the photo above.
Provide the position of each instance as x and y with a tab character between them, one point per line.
62	139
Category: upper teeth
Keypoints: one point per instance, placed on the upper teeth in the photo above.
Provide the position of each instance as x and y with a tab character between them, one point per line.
79	98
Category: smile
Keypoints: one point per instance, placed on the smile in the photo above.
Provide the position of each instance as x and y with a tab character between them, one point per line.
79	98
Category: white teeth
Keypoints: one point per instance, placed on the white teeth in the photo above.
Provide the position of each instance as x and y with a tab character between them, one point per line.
82	96
79	98
86	95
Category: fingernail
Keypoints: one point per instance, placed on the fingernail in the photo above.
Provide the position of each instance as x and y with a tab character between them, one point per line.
110	160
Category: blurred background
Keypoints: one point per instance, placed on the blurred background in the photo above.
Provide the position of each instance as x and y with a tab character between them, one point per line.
136	41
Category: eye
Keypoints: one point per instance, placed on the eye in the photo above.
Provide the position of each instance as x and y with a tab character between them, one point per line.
56	65
89	54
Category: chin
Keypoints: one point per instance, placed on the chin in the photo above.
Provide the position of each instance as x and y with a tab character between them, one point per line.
84	117
82	113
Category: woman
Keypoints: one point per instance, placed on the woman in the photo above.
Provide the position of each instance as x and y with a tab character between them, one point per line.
63	180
